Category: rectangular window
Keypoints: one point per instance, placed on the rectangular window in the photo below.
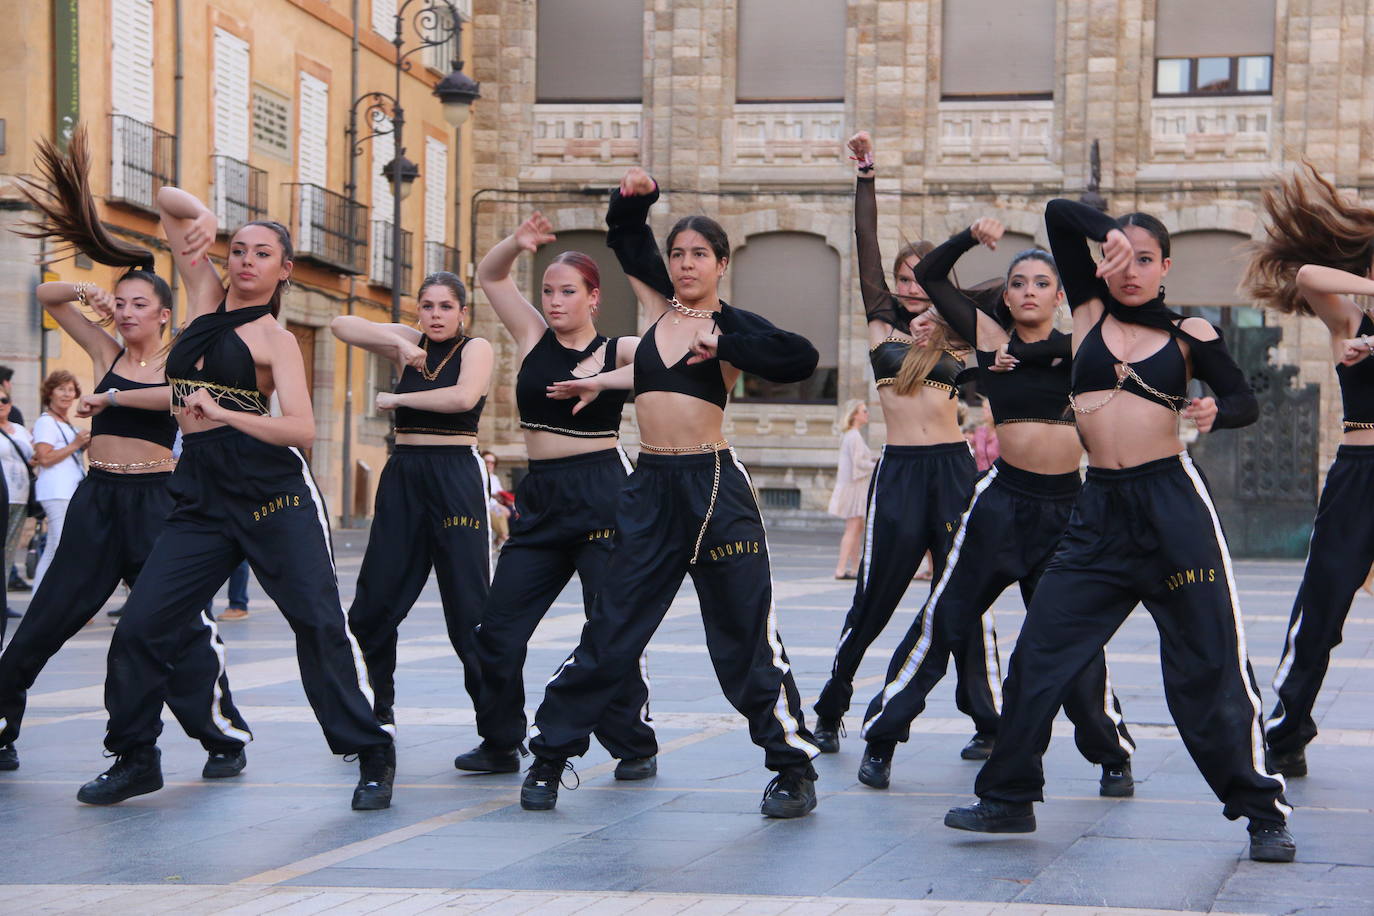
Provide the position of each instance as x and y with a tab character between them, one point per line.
590	52
383	151
231	78
791	51
312	164
384	18
131	59
1214	76
1221	47
436	190
978	34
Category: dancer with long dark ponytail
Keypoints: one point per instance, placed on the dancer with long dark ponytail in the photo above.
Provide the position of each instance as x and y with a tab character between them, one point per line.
242	490
1018	510
566	502
689	508
1144	529
431	507
922	480
120	506
1319	254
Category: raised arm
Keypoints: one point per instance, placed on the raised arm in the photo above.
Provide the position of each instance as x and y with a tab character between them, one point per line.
971	323
396	342
59	299
630	237
1070	225
474	380
191	227
1326	289
520	318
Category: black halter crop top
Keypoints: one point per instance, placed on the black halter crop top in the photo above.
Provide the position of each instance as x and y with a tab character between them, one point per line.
548	362
444	361
887	358
1037	391
226	364
1357	384
156	426
699	380
1165	371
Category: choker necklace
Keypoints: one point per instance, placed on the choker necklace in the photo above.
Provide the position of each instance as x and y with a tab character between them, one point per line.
689	312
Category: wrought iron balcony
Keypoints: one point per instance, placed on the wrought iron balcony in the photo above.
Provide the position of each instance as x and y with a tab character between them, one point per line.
439	256
383	263
141	158
328	228
238	192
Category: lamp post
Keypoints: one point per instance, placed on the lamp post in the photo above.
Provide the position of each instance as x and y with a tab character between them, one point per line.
436	23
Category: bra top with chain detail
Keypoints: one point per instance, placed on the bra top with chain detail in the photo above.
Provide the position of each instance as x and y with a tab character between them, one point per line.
1165	370
887	357
548	362
156	426
1037	391
1357	383
444	361
699	380
227	371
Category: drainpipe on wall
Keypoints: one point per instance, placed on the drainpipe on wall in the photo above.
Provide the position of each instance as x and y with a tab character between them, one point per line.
347	517
178	78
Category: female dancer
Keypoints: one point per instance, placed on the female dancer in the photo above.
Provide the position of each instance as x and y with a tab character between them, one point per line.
119	508
851	487
1143	529
1319	253
1019	508
242	490
567	500
689	507
922	480
432	496
58	448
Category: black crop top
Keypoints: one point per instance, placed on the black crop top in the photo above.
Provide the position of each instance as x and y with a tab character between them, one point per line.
156	426
887	357
444	361
699	380
227	371
548	362
1165	371
1357	383
1037	390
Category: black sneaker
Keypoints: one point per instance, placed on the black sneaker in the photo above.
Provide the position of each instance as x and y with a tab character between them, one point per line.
1116	781
223	764
1270	841
979	747
9	758
992	816
376	773
385	715
484	759
136	773
876	770
540	790
1287	763
792	793
828	734
637	768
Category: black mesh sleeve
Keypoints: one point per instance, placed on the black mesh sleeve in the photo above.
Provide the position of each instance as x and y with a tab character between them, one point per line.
879	303
1070	225
932	272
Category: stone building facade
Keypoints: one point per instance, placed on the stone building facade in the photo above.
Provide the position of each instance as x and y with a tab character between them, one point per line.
740	109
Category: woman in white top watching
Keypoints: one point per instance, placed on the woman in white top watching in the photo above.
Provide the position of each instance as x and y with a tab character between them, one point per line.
58	448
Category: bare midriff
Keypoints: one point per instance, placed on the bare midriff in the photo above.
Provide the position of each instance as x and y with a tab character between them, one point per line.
542	445
1041	448
927	416
123	450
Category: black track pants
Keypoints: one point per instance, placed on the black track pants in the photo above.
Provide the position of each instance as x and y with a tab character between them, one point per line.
1007	534
664	517
236	497
565	525
1147	533
431	513
112	523
1338	560
914	502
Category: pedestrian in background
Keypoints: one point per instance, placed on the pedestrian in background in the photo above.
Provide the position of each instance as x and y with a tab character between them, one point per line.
57	447
16	451
851	487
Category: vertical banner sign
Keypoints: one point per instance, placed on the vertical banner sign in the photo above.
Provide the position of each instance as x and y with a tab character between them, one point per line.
66	80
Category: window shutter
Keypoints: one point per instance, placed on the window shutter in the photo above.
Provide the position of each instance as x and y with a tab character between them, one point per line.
131	59
791	50
231	95
980	32
1218	28
383	151
312	163
436	190
384	18
590	52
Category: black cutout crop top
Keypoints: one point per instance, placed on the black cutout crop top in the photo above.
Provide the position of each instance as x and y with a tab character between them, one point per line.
1165	370
226	368
156	426
887	358
1037	391
699	380
1357	383
445	361
548	362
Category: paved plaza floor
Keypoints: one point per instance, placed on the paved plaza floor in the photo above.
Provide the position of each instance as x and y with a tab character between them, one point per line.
282	839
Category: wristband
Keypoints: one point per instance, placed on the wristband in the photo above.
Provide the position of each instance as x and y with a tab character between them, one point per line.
1368	344
110	396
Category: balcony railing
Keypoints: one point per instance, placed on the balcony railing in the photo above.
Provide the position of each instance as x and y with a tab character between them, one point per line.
383	263
439	256
238	192
329	228
141	158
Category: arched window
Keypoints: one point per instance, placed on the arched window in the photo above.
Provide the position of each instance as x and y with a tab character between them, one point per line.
619	312
793	280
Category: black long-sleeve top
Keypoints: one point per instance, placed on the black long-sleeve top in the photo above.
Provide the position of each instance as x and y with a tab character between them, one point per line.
748	342
879	302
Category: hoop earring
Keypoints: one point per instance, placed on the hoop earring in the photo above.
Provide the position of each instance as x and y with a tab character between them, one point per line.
1161	290
462	327
286	286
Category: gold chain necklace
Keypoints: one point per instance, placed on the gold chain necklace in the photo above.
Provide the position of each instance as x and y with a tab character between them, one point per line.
429	375
689	312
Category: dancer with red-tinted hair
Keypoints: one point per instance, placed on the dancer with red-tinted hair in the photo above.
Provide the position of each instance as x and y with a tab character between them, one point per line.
566	503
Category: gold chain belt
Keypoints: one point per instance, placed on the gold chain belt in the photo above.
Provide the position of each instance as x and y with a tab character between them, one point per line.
1037	420
1355	424
580	433
715	448
133	465
685	449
